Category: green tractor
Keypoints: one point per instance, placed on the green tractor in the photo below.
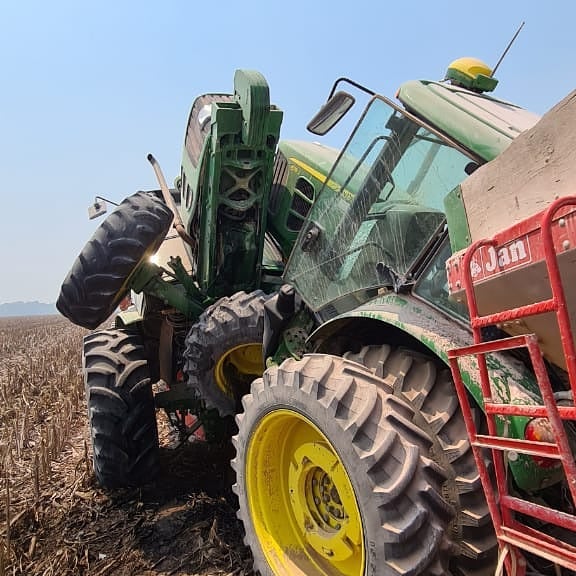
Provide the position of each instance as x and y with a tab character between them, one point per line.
201	259
305	291
352	451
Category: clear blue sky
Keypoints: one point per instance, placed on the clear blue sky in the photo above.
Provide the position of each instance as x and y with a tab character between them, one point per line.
89	88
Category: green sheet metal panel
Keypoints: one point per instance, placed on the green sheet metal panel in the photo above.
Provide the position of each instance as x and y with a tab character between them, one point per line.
483	124
457	220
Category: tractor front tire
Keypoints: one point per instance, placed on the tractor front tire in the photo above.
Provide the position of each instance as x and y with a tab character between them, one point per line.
334	476
427	386
224	350
121	412
98	279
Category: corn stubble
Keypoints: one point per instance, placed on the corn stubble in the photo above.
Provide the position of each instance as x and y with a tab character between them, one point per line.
56	521
41	396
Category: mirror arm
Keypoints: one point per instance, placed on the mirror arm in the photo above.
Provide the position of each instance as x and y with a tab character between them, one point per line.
96	198
352	83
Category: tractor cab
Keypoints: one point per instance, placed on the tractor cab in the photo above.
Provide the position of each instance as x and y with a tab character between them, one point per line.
383	226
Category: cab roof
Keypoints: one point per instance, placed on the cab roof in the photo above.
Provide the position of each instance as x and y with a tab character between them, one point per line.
483	124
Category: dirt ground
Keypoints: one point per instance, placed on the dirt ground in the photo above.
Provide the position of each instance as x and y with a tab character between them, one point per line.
55	520
182	524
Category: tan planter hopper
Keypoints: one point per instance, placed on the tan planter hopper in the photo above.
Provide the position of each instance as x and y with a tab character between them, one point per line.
538	167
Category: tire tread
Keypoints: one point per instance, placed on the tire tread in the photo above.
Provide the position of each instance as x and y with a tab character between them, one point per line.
398	471
418	380
97	280
121	411
231	321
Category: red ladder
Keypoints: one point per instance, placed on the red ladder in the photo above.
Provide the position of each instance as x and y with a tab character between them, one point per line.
513	535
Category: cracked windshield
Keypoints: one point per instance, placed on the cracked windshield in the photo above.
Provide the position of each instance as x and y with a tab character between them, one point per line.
378	210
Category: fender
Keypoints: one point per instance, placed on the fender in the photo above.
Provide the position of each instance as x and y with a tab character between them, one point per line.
439	333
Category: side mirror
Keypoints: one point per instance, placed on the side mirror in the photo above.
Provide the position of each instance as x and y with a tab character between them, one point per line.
99	207
331	113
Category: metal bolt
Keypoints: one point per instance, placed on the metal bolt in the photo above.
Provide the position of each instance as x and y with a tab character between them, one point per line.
512	456
326	518
338	526
314	482
562	222
316	500
326	497
457	283
335	495
566	244
328	552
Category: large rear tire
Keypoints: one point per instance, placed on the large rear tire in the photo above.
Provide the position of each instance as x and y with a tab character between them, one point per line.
121	413
429	389
98	279
334	477
224	350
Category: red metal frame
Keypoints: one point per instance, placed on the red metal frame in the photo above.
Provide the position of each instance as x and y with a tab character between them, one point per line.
542	234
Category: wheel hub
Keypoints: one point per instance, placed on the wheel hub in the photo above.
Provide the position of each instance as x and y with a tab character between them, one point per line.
313	477
301	499
238	367
323	500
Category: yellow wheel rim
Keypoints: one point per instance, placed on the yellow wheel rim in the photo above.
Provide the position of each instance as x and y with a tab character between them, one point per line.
239	366
301	500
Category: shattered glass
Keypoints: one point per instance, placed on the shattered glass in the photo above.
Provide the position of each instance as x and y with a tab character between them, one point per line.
378	210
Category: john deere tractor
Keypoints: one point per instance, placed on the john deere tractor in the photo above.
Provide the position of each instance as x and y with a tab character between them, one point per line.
201	259
352	452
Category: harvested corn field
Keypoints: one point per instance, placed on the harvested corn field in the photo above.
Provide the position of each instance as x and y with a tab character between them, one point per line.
55	520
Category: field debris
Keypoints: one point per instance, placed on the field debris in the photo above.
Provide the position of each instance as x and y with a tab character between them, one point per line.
54	519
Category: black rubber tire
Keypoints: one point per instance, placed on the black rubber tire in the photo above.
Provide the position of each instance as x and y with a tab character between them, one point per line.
397	485
121	413
232	321
429	389
98	279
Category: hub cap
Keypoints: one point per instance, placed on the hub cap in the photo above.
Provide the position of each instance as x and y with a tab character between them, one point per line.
301	499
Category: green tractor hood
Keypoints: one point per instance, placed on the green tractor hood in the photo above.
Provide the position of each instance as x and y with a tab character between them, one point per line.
483	124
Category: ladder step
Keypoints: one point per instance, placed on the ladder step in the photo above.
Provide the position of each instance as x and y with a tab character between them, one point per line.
543	545
544	513
528	410
542	449
514	314
492	346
